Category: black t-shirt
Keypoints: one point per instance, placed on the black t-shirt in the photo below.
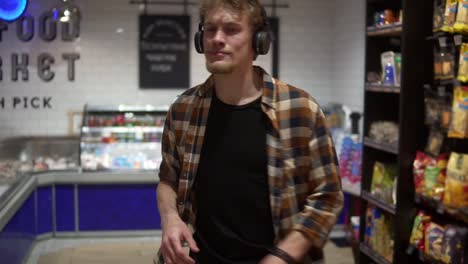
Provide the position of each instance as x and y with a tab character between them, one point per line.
234	222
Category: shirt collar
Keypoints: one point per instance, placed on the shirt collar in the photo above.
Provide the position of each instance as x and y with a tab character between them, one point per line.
269	87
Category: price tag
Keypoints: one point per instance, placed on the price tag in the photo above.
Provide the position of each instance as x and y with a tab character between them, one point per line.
458	40
443	42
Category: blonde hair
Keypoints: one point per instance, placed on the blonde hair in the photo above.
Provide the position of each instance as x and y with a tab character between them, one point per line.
252	8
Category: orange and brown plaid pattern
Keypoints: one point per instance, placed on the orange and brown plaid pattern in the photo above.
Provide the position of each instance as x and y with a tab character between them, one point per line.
304	182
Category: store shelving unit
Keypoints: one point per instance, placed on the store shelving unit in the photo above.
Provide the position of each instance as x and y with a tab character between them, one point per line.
402	104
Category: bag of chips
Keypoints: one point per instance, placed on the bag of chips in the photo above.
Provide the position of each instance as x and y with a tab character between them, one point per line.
450	15
461	22
456	184
463	63
417	233
383	178
435	176
433	240
419	165
434	142
439	6
459	123
454	245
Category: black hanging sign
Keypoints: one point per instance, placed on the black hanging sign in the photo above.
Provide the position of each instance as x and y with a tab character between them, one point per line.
164	51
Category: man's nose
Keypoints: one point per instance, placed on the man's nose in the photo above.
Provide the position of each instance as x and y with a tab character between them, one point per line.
219	36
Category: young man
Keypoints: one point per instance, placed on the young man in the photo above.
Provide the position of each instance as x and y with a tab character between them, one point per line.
247	160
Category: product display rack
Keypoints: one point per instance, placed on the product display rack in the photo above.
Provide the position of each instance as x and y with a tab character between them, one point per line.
402	104
437	211
121	137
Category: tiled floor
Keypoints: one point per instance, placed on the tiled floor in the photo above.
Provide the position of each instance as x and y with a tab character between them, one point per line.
143	247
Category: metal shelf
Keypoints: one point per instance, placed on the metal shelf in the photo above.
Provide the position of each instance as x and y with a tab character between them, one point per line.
390	148
392	30
390	208
372	254
381	88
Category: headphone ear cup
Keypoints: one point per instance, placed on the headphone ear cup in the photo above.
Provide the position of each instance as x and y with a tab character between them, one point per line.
198	41
262	42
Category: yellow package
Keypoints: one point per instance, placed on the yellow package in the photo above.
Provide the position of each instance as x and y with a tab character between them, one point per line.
456	183
463	63
461	23
450	15
459	123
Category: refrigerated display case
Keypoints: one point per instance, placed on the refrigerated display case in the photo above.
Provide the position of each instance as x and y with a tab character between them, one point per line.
121	137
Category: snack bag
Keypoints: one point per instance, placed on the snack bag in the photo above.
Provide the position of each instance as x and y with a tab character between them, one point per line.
433	240
437	64
456	184
463	63
450	15
439	6
461	22
417	233
434	142
459	123
454	245
419	165
383	178
434	177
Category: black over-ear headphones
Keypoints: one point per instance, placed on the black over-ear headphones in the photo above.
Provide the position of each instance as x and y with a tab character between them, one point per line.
260	42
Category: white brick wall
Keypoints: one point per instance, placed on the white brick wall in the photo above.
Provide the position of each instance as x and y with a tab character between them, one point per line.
321	51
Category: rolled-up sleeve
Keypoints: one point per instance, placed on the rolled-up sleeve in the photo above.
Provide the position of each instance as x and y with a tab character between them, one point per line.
325	199
170	165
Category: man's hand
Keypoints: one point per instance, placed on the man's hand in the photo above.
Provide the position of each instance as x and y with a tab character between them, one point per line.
176	232
270	259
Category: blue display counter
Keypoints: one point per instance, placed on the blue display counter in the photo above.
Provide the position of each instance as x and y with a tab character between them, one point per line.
75	205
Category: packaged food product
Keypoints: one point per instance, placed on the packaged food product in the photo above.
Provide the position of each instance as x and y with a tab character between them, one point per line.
454	245
463	63
447	59
433	240
435	176
419	165
383	178
461	22
417	233
456	183
459	121
434	142
389	67
450	15
437	64
432	107
439	6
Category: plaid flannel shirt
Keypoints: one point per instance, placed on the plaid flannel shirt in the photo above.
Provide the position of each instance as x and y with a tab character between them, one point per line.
303	174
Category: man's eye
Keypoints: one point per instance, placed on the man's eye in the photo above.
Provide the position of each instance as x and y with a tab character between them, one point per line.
210	29
231	30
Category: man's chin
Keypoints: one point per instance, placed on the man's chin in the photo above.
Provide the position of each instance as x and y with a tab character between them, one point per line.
220	68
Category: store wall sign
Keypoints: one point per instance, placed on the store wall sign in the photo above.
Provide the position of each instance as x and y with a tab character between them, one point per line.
164	51
16	66
26	102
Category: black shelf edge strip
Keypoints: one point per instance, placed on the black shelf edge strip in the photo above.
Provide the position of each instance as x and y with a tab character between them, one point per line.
439	208
389	208
382	88
372	254
380	146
